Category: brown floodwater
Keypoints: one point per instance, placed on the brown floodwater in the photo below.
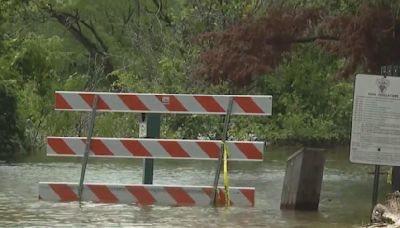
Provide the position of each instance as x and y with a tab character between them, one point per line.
345	197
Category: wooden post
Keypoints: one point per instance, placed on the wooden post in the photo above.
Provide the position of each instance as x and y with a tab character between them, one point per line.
303	180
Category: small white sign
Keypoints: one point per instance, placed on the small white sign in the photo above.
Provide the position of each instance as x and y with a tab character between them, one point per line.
375	132
142	130
143	127
165	100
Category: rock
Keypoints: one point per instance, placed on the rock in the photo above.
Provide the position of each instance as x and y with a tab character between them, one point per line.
387	215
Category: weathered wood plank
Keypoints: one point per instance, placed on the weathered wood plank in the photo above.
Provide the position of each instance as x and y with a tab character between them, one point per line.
303	180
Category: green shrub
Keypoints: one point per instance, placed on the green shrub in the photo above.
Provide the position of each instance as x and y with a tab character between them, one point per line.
11	136
309	102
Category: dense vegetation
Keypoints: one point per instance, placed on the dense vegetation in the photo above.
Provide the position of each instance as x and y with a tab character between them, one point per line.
304	53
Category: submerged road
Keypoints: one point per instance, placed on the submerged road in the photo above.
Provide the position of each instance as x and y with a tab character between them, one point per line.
345	196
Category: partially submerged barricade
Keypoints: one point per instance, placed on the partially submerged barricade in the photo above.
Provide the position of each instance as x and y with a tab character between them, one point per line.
148	104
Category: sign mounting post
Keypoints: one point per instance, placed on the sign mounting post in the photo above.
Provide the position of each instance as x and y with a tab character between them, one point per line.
149	127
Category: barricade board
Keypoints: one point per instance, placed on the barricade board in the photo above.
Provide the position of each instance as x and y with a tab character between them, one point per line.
164	103
155	148
145	194
375	136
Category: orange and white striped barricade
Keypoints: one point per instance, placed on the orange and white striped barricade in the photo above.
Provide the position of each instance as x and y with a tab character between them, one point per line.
154	148
143	194
164	103
147	194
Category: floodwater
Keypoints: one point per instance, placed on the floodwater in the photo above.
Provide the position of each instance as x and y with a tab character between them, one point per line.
345	197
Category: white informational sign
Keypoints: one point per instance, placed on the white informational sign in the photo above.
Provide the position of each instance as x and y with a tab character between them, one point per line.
375	132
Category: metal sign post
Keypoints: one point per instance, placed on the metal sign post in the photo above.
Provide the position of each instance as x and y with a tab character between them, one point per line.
375	189
386	71
375	137
149	127
223	138
87	147
393	70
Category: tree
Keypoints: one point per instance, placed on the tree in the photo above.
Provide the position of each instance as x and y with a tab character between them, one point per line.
147	46
11	136
257	45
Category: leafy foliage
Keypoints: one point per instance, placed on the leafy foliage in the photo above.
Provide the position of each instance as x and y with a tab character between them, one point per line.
254	46
309	103
369	39
292	50
11	135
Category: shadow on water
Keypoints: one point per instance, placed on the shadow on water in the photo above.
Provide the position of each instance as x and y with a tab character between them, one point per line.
345	196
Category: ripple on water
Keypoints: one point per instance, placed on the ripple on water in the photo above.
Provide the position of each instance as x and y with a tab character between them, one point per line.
344	199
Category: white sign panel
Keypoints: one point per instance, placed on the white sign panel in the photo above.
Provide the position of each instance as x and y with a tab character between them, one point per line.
143	128
375	133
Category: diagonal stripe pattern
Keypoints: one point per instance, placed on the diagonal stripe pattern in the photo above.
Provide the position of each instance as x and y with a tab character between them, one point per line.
144	194
140	194
164	103
155	148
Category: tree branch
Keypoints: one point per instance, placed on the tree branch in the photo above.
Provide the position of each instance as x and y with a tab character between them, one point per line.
160	14
67	20
64	20
73	22
126	20
315	38
90	26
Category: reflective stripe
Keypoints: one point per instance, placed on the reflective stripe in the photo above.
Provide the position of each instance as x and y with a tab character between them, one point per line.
164	103
155	148
144	194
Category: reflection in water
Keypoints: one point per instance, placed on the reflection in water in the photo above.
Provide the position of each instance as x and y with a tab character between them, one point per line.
345	197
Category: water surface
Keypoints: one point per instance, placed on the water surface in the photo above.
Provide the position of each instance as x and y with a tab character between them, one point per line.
345	196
